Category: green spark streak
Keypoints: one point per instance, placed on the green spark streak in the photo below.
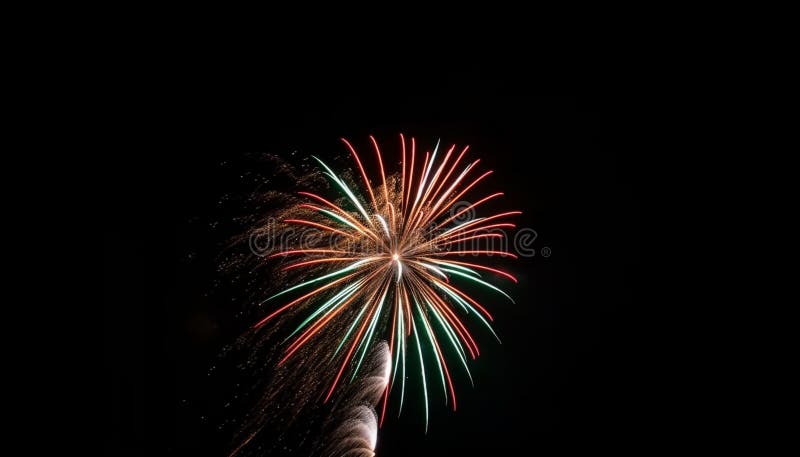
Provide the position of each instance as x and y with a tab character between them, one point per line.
436	355
453	186
458	299
430	165
329	275
453	341
467	305
339	218
432	268
365	341
353	326
402	346
397	343
456	266
399	314
479	281
345	189
461	225
447	327
336	300
422	370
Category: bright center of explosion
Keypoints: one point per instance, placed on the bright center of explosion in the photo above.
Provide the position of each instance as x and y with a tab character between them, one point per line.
396	258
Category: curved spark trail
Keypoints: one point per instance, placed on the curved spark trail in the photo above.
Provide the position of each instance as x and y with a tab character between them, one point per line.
357	431
390	260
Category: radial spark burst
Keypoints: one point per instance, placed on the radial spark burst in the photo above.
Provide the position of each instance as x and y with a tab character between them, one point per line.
390	260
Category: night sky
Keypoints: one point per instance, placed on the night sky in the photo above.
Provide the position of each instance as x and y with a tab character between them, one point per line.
567	376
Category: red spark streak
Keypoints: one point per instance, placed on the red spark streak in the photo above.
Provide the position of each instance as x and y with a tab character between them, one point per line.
350	352
473	265
363	174
319	226
279	310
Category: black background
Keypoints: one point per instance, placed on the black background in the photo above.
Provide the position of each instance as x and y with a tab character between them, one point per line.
568	375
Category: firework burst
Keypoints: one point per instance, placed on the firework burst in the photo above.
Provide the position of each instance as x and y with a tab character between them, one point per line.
387	262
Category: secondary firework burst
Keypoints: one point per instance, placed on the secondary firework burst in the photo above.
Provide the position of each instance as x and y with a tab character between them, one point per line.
353	428
389	261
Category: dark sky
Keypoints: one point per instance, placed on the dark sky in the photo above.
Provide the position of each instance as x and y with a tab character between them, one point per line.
567	376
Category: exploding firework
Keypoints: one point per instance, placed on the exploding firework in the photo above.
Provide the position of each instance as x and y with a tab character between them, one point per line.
387	262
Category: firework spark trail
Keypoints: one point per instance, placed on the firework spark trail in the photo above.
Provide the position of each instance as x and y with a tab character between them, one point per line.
353	429
382	265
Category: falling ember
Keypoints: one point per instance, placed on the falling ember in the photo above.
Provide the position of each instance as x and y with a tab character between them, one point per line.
384	265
